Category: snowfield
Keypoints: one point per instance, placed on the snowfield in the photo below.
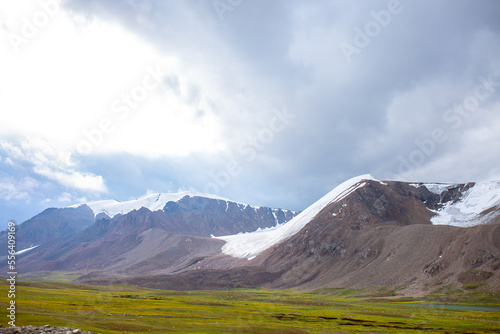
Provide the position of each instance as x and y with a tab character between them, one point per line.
249	245
469	210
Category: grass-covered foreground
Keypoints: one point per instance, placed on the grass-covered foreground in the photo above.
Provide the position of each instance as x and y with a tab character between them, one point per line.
119	309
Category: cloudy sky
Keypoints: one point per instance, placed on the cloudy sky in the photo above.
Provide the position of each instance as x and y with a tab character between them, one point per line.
264	102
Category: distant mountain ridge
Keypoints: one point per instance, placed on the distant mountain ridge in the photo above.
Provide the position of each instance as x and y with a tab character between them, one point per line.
82	229
153	202
52	223
414	237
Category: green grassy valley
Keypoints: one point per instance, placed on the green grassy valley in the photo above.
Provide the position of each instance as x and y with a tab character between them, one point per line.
119	309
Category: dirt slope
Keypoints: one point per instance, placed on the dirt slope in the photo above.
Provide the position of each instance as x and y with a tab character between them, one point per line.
382	236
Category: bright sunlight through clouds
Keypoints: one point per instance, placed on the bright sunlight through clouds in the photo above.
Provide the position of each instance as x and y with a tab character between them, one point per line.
74	73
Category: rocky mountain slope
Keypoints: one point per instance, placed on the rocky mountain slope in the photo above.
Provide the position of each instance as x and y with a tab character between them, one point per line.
136	239
383	235
51	224
365	233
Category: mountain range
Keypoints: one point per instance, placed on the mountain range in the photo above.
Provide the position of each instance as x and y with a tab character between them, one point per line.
413	237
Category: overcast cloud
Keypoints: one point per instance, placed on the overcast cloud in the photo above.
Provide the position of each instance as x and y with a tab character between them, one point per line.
264	102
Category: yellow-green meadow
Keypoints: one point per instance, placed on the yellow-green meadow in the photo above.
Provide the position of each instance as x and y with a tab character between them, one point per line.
130	309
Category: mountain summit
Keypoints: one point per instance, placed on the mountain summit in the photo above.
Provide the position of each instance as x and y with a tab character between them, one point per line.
152	202
110	234
462	205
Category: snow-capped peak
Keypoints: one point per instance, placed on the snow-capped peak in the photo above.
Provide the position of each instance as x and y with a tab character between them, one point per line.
153	202
249	245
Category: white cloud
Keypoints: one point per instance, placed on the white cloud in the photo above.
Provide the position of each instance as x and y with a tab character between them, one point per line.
65	197
74	69
53	163
81	200
470	155
17	190
222	80
73	179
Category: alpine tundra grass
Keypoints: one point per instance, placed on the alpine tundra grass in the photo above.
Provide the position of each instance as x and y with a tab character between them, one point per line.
130	309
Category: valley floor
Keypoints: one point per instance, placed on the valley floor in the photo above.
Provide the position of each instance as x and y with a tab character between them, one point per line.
119	309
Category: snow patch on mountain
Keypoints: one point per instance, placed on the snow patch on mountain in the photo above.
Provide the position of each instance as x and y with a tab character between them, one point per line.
249	245
26	250
435	188
470	209
438	188
153	202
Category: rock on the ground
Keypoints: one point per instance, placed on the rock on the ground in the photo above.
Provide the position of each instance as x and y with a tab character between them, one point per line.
42	330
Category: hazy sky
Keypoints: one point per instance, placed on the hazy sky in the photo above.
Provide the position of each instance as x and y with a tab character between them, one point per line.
265	102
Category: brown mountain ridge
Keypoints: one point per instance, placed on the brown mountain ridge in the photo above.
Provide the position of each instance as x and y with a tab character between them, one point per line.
379	235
